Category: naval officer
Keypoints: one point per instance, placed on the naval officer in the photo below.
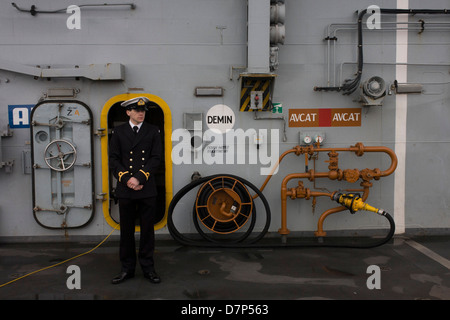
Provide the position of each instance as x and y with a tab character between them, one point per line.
134	156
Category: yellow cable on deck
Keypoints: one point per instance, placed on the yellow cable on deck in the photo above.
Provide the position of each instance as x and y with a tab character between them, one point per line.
59	263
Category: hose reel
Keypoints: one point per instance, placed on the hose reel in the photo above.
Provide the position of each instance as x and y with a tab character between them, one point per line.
223	205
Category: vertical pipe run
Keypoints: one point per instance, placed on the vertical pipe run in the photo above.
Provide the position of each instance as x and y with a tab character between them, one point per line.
401	105
258	36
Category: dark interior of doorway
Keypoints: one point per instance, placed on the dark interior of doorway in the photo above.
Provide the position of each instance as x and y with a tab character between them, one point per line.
155	116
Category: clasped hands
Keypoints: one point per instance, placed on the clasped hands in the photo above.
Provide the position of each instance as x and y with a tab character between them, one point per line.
133	183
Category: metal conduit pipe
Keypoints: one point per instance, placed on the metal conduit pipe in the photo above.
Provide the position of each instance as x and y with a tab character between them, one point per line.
334	173
350	85
331	35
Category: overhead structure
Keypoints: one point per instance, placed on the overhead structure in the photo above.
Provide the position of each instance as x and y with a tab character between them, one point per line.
98	72
265	31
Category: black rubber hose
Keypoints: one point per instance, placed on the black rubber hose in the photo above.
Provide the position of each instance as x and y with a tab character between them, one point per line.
391	230
382	241
183	240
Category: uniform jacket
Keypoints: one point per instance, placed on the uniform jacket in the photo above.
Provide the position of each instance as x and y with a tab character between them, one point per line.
135	155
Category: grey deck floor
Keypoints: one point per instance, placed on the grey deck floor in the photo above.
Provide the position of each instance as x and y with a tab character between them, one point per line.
410	269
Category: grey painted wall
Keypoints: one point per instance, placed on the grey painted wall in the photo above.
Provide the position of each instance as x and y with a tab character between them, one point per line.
170	47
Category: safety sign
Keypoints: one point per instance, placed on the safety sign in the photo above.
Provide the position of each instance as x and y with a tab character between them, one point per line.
19	115
340	117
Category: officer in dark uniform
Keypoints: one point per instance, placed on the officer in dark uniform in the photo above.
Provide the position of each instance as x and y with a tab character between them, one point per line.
134	155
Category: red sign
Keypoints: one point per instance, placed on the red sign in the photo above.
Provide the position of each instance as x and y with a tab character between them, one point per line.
341	117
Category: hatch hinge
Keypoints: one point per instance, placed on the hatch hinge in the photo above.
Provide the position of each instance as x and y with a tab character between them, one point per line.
100	132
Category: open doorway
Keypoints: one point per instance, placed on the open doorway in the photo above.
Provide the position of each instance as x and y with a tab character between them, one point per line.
158	114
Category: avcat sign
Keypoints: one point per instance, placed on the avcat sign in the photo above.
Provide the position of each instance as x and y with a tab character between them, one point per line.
341	117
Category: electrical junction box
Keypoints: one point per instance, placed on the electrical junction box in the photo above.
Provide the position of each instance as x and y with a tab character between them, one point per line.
193	121
256	91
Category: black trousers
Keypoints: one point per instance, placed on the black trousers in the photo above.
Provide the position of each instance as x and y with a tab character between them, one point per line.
130	210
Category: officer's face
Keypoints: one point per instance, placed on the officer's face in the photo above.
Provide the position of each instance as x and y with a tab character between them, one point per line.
137	116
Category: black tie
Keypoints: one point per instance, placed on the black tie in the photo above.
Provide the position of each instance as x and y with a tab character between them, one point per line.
135	129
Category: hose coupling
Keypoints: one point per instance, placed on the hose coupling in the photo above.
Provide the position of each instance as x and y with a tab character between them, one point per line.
353	202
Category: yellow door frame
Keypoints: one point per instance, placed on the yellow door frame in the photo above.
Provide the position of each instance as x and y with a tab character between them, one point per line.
167	150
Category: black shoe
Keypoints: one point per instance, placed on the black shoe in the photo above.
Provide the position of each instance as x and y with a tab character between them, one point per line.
121	277
152	276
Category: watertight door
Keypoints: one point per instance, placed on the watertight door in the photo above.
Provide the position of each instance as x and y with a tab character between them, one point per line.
62	156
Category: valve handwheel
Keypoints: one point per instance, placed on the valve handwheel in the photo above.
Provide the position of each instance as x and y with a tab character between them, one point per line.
60	155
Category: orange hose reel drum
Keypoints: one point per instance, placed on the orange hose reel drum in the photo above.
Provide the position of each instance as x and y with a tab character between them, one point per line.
223	205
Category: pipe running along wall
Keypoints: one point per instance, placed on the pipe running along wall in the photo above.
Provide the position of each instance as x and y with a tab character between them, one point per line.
350	85
334	173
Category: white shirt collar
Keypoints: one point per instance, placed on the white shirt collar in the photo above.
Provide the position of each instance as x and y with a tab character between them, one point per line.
132	125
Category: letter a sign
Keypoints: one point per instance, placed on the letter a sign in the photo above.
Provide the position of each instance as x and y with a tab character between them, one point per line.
19	115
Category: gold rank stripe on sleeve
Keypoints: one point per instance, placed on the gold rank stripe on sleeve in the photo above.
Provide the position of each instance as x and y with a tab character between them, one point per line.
147	174
121	173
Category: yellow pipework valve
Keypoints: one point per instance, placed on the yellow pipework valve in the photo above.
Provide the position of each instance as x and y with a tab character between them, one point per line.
354	203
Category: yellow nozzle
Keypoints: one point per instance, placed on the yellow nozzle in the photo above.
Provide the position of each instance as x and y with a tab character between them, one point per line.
354	203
